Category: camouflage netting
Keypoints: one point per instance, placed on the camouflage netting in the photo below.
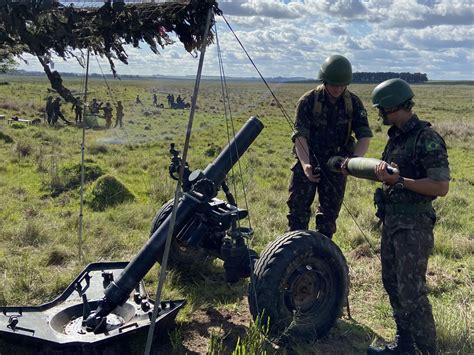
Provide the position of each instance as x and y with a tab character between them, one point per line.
44	28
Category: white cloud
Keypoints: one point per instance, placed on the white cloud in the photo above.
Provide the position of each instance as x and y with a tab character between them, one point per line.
270	8
292	38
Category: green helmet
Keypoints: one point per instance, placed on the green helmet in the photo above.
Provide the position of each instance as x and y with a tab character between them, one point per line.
391	93
336	70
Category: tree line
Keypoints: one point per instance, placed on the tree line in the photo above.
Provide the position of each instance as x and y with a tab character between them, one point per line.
378	77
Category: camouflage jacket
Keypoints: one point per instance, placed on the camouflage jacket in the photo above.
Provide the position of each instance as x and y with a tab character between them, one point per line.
327	132
420	152
107	112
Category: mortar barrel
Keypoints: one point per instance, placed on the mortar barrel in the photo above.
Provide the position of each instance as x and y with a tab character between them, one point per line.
119	290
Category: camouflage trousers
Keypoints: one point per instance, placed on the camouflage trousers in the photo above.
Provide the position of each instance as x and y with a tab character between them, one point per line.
302	192
407	242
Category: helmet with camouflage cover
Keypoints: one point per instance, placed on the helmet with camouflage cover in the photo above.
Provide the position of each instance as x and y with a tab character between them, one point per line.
391	94
336	70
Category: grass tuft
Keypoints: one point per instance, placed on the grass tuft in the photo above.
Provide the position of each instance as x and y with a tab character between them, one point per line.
108	191
453	330
33	234
216	342
96	149
60	255
6	138
176	341
24	148
255	341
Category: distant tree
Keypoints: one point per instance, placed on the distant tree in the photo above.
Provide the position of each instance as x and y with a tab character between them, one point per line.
377	77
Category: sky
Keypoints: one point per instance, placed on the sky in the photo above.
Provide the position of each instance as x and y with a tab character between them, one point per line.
292	38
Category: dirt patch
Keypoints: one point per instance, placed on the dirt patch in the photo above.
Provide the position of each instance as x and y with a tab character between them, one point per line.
229	324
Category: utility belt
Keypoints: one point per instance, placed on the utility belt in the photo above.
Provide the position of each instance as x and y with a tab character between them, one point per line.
384	207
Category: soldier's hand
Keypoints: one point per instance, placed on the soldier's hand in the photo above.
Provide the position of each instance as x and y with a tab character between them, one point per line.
383	175
309	172
344	170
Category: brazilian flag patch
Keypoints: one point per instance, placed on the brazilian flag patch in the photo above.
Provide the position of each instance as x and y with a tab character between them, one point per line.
431	145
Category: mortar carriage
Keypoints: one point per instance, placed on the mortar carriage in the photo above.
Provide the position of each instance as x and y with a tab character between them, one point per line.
298	284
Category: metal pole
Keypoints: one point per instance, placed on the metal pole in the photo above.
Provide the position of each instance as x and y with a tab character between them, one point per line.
164	262
82	157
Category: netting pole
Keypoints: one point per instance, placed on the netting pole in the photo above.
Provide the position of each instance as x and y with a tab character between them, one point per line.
82	157
169	236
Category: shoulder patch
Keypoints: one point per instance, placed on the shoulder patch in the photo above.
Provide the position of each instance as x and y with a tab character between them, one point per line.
431	140
432	145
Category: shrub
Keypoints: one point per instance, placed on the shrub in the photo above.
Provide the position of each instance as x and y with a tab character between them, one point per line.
95	149
17	126
212	150
23	148
9	106
43	136
108	191
6	138
71	174
58	256
33	234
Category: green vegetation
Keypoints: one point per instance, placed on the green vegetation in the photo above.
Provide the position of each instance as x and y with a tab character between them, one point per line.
107	192
39	228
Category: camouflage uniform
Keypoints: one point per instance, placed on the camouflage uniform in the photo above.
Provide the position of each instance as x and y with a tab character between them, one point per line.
328	132
119	115
407	234
108	115
49	110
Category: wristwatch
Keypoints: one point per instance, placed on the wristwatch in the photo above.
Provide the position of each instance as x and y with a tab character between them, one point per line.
400	183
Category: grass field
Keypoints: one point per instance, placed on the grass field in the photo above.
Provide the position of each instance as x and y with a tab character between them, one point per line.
39	205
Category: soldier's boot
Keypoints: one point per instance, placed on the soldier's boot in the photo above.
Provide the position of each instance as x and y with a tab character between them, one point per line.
402	345
295	224
427	349
325	233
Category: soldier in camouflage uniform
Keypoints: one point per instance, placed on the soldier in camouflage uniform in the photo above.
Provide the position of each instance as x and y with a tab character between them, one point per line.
108	115
404	206
325	119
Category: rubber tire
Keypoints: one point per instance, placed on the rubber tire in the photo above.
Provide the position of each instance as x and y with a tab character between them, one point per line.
179	255
271	291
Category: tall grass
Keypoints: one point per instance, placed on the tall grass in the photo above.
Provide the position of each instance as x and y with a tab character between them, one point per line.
256	339
34	246
454	328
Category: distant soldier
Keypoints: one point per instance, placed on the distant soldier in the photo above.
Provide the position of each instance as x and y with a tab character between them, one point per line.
49	110
137	100
155	100
57	112
169	100
108	115
179	102
77	108
119	114
95	107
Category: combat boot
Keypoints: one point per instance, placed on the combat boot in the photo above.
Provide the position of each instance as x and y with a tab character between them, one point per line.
427	349
402	345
